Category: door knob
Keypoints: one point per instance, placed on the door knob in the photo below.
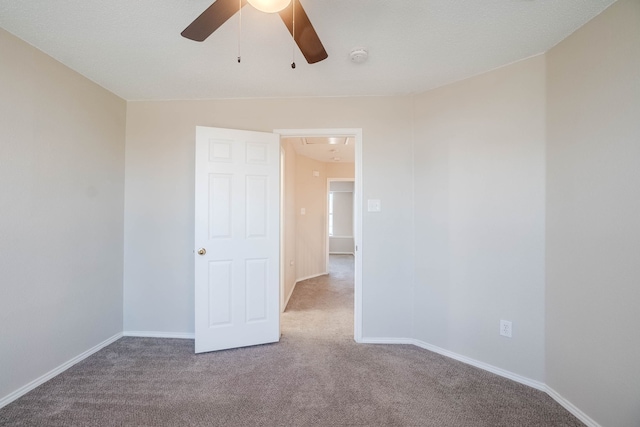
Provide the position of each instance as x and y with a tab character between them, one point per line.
202	251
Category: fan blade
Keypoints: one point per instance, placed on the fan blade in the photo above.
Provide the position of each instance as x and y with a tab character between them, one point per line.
212	18
305	35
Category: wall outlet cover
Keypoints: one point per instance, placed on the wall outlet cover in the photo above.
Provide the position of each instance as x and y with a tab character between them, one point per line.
374	205
506	328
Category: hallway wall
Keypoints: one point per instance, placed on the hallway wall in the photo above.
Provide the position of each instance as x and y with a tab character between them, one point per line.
311	226
290	218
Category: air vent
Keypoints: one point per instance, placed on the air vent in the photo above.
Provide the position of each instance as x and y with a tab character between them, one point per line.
339	140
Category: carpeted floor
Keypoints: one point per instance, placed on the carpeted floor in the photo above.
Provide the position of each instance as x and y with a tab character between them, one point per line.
316	376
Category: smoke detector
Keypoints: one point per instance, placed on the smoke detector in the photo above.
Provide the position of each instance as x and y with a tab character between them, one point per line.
359	55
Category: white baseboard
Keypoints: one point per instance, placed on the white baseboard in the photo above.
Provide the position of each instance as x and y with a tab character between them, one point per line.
368	340
494	369
571	408
365	340
158	334
288	297
313	276
498	371
56	371
464	359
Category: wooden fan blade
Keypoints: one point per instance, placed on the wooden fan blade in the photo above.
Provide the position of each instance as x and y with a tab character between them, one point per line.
306	37
212	18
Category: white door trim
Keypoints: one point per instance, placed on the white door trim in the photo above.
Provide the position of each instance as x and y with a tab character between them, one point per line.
283	301
356	133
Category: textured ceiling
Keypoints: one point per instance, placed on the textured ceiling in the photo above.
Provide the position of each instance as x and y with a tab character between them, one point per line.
134	48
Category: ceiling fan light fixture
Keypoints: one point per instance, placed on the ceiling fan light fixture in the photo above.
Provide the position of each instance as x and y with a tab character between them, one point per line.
269	6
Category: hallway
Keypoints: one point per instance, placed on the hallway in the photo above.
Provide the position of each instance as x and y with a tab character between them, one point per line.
323	306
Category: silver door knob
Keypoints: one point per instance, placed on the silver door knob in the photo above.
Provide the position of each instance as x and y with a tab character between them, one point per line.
202	251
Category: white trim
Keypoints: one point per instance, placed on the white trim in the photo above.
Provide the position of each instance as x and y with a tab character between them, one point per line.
482	365
357	238
356	133
56	371
160	334
341	237
283	269
300	133
313	276
571	408
574	410
464	359
341	253
395	341
286	300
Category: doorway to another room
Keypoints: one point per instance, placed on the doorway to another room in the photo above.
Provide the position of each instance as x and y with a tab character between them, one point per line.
321	224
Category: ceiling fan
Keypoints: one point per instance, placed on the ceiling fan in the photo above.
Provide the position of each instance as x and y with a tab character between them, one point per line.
300	28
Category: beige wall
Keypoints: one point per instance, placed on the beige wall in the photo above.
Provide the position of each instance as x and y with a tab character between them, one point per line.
311	227
341	170
61	214
442	263
593	212
290	217
479	217
311	194
158	283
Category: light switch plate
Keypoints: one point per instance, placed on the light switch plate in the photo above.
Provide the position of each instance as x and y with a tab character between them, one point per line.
373	205
303	211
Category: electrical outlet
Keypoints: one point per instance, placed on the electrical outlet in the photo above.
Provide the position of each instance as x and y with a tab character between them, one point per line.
505	328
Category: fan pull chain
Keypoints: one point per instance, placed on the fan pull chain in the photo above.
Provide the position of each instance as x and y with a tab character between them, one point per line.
293	33
239	29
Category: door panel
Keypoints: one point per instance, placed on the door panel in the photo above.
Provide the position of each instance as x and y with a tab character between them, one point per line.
237	202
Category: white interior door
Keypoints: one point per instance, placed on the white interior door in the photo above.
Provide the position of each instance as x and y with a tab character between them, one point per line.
237	237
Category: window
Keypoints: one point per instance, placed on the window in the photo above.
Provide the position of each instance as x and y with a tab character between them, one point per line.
331	213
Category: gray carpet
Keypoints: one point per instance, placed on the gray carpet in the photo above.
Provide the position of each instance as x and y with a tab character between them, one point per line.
316	376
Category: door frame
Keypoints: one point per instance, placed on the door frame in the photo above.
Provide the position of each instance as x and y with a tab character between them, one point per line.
356	134
282	257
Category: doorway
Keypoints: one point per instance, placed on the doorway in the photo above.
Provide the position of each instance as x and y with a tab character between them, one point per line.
340	217
288	264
